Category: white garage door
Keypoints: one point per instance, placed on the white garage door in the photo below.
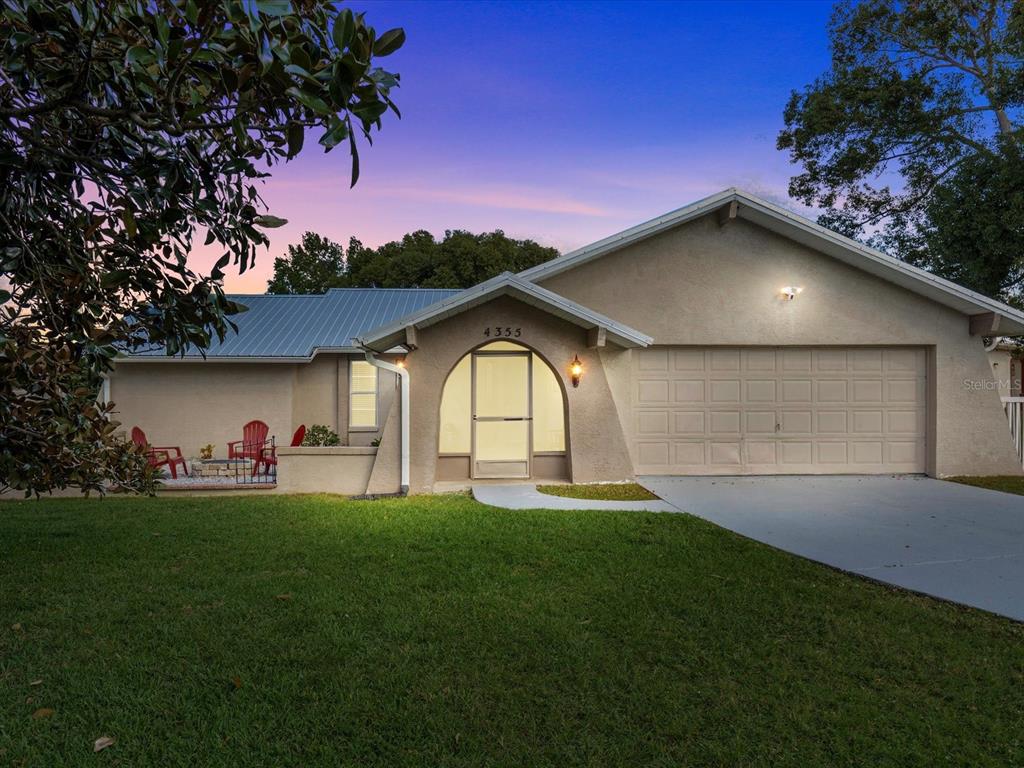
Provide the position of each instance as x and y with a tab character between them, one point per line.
779	410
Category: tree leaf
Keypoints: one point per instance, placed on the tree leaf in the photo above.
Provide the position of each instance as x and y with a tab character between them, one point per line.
315	103
296	135
336	134
129	222
344	28
103	742
274	7
389	42
354	151
42	712
269	222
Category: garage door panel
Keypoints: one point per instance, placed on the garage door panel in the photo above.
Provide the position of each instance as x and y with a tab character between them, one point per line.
761	422
832	452
797	390
834	422
760	360
866	360
868	391
833	391
725	390
762	452
796	360
689	391
688	360
868	422
724	422
796	422
762	391
725	453
652	392
724	359
690	454
780	410
829	360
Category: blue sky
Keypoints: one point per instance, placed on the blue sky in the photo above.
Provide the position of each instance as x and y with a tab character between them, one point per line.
560	122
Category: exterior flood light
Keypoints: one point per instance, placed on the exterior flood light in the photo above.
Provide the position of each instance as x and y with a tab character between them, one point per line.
790	292
575	370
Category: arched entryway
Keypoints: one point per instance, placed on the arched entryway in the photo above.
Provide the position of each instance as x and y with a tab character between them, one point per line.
502	415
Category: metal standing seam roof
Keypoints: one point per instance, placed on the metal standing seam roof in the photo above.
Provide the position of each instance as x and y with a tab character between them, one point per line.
295	327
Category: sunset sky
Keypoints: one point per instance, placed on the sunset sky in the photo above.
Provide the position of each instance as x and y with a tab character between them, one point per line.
558	122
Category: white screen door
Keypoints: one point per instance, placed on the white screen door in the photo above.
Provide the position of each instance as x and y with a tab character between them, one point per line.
502	414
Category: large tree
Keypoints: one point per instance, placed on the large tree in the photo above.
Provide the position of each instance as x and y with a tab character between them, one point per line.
459	260
312	266
913	139
126	128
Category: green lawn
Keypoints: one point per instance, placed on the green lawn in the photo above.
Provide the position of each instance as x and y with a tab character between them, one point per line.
1005	483
601	491
312	631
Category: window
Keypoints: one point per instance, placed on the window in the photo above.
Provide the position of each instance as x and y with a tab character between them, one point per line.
548	405
456	410
548	410
362	395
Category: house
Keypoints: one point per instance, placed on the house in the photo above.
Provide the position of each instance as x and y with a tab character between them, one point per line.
1007	361
727	337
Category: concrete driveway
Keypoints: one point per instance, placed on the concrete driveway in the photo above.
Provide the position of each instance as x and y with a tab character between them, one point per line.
944	539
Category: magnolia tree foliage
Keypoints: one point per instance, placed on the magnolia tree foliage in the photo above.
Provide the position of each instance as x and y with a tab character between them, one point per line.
127	131
914	136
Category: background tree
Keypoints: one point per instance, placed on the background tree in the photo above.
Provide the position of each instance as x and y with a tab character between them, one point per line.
914	136
125	127
460	260
313	266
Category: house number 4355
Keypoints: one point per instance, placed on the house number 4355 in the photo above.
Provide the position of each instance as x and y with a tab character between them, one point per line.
498	332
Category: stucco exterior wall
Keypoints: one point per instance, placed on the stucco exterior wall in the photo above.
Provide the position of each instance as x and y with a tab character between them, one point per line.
316	397
703	284
192	404
1006	369
596	447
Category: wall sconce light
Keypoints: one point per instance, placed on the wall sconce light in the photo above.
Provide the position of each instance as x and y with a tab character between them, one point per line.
575	370
790	292
400	362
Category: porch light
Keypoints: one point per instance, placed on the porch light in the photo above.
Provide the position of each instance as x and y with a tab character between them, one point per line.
575	370
790	292
400	362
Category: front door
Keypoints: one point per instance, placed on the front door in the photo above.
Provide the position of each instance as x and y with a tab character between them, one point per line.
502	414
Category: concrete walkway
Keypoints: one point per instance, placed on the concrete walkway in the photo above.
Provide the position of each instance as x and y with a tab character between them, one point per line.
525	496
944	539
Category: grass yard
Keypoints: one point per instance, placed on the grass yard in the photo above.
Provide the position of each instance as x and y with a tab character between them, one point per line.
1005	483
312	631
600	491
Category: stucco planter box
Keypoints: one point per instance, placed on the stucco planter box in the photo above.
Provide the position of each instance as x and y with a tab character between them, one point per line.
340	469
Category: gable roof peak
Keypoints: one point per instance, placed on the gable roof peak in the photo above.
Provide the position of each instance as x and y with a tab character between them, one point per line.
782	221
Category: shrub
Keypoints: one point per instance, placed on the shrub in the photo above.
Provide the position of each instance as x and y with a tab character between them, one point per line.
319	434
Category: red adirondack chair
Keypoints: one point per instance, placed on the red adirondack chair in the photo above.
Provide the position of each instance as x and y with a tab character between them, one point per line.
160	456
268	456
254	435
